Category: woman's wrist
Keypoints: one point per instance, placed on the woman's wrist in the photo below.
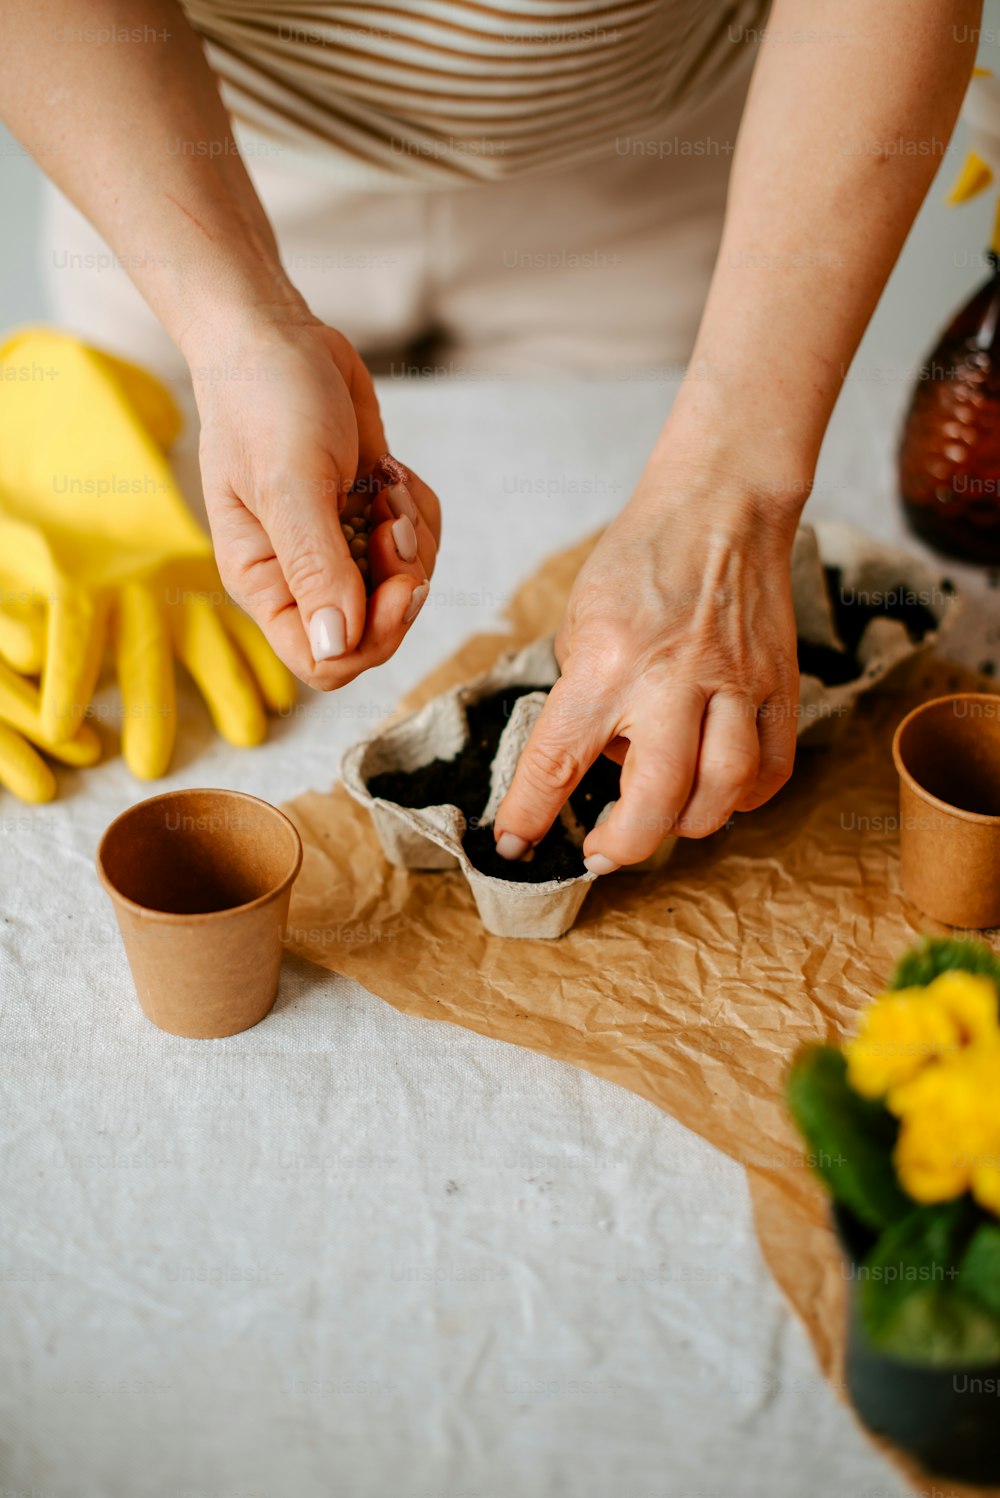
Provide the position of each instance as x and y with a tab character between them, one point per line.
723	480
738	418
240	306
239	342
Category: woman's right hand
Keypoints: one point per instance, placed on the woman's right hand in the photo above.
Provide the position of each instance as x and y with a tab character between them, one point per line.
289	422
678	660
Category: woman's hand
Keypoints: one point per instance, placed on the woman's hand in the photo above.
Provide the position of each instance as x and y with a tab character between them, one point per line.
678	659
289	417
289	422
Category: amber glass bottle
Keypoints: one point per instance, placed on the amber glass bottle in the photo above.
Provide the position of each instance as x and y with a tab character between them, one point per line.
949	454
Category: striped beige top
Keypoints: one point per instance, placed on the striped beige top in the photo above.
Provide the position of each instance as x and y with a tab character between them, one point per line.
434	92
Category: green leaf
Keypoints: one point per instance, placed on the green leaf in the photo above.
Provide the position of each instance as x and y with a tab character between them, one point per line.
850	1138
910	1300
944	954
941	1328
979	1272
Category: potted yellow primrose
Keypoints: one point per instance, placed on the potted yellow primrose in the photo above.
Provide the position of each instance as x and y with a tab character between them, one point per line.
903	1125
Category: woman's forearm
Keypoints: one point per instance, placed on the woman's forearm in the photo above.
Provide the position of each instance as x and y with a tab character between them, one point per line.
119	106
678	653
850	111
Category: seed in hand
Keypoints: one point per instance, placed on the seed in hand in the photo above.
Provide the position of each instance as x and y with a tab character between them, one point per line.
356	532
357	523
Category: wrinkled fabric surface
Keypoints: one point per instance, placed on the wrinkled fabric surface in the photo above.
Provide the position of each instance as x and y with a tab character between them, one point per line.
694	985
353	1251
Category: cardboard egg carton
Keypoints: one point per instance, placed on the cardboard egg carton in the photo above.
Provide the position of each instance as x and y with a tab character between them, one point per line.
870	570
430	837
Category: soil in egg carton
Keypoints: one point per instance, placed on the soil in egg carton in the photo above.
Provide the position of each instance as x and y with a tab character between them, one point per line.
464	781
851	616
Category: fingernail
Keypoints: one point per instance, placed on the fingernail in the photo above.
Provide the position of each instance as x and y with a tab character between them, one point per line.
398	499
327	634
405	538
509	845
598	864
416	602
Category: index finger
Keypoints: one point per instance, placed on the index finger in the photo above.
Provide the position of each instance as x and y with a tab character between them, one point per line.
571	732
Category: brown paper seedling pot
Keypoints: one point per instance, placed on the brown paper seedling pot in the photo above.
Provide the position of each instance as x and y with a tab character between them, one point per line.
431	837
947	756
200	881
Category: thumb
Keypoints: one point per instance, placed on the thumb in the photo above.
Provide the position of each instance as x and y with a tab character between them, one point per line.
571	732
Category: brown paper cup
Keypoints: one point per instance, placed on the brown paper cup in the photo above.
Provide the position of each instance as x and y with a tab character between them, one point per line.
200	881
947	755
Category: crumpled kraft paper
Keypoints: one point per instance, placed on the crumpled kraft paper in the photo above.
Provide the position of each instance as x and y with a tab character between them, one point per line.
693	987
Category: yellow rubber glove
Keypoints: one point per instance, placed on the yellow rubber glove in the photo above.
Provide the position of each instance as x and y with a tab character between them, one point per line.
22	768
22	630
97	541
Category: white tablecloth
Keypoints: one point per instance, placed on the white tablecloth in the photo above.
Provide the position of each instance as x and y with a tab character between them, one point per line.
353	1253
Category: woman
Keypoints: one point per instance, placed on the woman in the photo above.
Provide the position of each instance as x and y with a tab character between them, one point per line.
678	647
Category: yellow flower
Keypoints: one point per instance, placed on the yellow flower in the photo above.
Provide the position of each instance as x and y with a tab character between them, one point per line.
933	1055
904	1030
949	1139
926	1162
923	1093
986	1187
897	1037
971	1000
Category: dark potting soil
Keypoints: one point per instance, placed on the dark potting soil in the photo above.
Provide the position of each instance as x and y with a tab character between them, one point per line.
601	784
464	781
852	614
554	858
833	667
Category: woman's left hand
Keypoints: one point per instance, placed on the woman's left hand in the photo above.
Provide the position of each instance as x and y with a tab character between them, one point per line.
678	659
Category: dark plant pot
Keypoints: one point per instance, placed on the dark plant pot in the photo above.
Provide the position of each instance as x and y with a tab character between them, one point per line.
948	1418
